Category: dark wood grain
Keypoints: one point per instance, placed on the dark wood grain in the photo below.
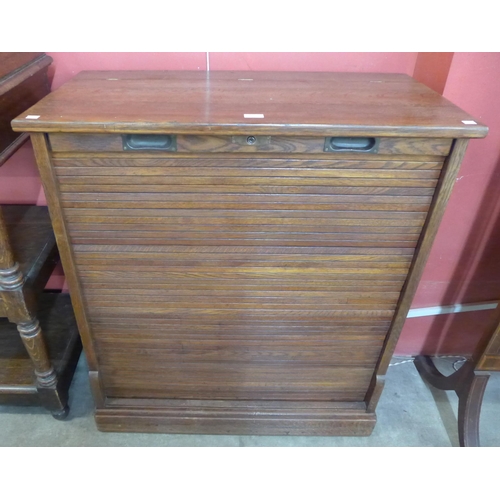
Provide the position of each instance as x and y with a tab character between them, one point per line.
446	183
20	88
249	276
274	144
18	384
59	227
293	104
13	61
30	235
227	417
7	259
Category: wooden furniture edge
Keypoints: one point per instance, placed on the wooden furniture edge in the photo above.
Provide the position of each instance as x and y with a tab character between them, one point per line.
228	420
21	125
431	226
51	189
24	72
10	150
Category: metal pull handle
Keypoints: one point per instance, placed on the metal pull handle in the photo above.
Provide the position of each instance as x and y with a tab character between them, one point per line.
134	142
359	144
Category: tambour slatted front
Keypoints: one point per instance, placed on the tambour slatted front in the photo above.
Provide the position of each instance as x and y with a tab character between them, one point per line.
243	276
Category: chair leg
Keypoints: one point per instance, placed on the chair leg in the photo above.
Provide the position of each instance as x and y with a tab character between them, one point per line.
470	398
469	387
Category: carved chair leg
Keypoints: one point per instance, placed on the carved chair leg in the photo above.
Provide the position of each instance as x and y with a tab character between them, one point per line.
469	387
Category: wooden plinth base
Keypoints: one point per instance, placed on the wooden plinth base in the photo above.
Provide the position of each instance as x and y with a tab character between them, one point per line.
238	417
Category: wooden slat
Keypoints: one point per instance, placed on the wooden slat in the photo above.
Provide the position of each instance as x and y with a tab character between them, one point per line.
286	326
390	233
263	300
276	198
204	164
207	304
255	240
231	284
245	180
68	187
239	207
292	172
168	295
246	351
264	273
110	223
244	251
248	315
368	330
234	336
229	380
168	260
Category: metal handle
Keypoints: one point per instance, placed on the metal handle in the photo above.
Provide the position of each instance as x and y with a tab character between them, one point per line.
136	142
359	144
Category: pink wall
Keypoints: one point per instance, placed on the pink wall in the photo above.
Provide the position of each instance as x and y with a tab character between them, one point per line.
389	62
432	69
462	265
67	64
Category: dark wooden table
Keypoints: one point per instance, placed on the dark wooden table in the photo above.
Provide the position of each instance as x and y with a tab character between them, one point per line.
39	341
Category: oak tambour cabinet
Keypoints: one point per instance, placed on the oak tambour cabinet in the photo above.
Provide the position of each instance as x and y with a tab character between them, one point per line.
242	248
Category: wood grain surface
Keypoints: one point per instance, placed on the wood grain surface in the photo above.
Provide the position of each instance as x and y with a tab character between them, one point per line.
209	275
23	82
64	142
293	104
236	274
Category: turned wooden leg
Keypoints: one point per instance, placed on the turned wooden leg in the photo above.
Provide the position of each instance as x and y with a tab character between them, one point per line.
46	376
19	307
469	387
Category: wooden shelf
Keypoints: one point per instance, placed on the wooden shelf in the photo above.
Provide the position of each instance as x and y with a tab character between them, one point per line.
32	240
17	379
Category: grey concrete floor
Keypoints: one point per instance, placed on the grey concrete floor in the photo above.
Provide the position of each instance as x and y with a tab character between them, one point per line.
410	414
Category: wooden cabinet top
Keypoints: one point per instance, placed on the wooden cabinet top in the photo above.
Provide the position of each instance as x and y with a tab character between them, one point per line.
13	61
226	102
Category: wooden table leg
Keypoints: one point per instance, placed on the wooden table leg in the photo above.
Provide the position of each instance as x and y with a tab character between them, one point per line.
469	386
19	307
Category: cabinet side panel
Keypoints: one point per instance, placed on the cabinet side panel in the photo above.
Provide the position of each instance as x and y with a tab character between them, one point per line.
51	188
443	192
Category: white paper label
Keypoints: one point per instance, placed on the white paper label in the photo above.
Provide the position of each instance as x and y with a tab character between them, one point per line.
32	117
469	122
253	115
